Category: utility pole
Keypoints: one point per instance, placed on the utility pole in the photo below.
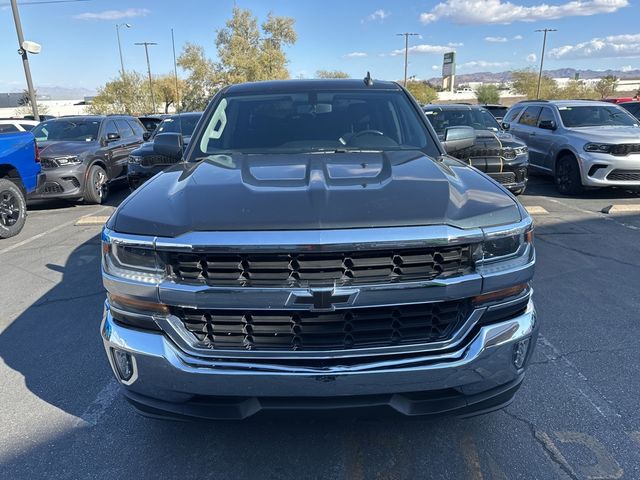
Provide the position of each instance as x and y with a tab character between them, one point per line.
146	51
128	25
175	71
406	36
544	44
25	60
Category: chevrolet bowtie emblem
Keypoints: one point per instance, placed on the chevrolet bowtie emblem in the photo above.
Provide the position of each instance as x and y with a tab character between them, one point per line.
323	299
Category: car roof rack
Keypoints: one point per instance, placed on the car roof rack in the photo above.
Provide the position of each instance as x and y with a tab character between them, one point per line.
532	101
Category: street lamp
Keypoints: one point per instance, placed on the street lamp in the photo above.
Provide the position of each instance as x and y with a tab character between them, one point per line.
26	47
146	51
127	25
544	44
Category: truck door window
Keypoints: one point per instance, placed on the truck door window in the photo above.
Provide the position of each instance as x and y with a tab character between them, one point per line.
530	116
546	115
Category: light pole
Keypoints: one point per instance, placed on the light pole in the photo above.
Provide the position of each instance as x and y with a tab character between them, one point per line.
406	36
22	50
544	44
127	25
146	51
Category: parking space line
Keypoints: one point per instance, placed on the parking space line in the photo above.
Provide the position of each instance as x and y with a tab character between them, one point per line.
47	232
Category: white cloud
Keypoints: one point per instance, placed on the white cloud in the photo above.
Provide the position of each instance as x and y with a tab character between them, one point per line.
435	67
611	46
377	16
496	39
505	12
427	49
627	68
482	64
113	14
356	55
518	37
532	57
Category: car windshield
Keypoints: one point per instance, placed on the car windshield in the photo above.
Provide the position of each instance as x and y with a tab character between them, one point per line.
67	130
315	121
184	124
479	119
595	115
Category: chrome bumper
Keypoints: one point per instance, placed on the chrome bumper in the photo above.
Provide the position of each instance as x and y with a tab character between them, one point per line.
164	372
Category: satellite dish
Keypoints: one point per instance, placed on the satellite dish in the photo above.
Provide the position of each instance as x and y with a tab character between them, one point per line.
31	47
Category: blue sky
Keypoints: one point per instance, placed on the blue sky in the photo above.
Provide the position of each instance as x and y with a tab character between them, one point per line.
80	49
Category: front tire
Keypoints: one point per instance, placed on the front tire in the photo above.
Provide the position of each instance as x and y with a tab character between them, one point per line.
96	189
13	209
567	177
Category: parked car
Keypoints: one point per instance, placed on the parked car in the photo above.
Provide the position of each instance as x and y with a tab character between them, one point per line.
150	122
144	163
581	143
318	249
82	154
633	108
495	152
20	174
12	125
42	117
497	111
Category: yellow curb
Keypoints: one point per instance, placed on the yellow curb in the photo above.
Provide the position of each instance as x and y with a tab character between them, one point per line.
537	210
84	221
625	208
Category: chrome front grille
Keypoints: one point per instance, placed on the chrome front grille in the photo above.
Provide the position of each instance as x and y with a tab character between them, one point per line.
302	269
338	330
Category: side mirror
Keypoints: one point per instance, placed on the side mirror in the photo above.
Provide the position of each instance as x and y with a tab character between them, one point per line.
458	138
146	136
505	126
168	144
547	125
112	137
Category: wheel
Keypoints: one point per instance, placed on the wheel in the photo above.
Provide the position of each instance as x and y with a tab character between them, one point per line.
13	209
518	191
96	189
567	176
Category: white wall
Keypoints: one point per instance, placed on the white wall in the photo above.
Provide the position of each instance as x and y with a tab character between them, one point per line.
56	107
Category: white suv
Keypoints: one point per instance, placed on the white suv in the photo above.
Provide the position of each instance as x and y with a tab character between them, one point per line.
582	143
12	125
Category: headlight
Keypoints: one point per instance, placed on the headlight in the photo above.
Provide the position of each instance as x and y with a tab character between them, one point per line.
70	160
135	159
598	147
140	264
501	252
520	150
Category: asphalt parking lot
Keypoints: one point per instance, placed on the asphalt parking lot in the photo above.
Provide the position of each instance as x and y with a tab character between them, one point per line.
575	417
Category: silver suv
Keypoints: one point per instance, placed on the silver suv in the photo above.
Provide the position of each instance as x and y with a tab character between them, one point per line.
582	143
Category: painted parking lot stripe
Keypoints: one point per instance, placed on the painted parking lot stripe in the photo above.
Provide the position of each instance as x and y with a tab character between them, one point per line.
92	220
536	210
624	208
47	232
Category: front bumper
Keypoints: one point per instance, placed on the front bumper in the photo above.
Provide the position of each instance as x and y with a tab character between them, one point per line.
62	182
597	170
475	377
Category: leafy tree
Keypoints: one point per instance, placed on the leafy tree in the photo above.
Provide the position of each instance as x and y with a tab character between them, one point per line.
331	74
165	88
606	87
422	92
202	80
25	105
487	94
249	52
525	82
128	93
576	89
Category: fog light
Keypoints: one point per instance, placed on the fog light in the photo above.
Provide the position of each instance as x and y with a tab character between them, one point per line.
520	350
123	363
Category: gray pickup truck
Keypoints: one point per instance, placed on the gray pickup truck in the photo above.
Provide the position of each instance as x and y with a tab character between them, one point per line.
318	249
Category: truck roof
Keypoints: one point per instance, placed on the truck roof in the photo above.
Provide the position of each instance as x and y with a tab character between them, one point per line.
306	85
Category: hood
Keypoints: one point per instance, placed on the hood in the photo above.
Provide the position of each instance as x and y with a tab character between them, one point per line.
60	148
314	191
608	134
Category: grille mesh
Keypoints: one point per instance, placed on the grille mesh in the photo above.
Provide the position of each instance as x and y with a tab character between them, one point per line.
341	329
505	178
318	269
624	175
151	160
626	149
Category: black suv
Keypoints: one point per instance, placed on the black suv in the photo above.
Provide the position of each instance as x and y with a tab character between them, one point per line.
495	152
82	154
144	163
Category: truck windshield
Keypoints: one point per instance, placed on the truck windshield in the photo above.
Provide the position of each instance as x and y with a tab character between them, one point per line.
441	119
316	121
184	125
67	130
595	115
